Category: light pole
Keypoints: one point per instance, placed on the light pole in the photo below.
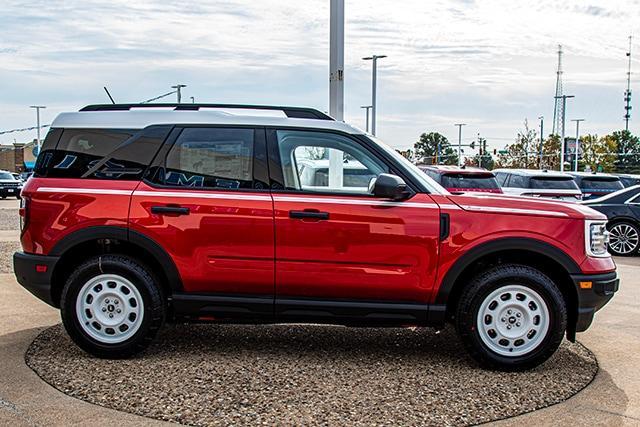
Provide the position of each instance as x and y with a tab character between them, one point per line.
38	107
193	99
374	79
367	108
577	141
177	88
541	118
564	115
460	141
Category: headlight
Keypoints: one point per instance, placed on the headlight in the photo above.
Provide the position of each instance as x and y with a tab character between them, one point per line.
596	238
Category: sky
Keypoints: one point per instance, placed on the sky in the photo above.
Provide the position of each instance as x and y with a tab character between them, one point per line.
490	63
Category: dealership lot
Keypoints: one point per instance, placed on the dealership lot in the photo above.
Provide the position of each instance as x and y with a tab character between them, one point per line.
614	338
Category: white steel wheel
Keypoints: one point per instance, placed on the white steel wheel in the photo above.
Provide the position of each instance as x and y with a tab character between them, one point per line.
109	308
513	320
623	239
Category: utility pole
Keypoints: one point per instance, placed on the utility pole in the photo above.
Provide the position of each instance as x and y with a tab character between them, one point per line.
460	142
479	151
627	93
575	169
336	85
562	141
541	118
367	108
374	83
177	88
38	108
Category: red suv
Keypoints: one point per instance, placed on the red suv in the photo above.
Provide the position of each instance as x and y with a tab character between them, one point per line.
189	212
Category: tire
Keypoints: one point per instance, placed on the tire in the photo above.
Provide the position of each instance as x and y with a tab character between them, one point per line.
112	307
624	238
509	299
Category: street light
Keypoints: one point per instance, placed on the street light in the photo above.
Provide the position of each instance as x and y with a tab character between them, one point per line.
177	88
564	115
460	141
367	108
374	78
577	141
38	107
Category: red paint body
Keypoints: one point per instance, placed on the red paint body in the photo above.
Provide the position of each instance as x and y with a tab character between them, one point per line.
243	242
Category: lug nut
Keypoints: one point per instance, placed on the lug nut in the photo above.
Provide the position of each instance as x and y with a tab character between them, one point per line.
508	311
518	324
120	311
518	315
107	300
115	302
503	320
104	308
111	315
508	326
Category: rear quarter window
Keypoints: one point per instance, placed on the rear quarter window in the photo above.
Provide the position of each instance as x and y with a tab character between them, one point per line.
550	183
588	184
469	181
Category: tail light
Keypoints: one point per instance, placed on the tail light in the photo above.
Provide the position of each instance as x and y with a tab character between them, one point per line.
24	213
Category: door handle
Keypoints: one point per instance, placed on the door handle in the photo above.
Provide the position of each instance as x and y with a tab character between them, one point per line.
309	214
169	210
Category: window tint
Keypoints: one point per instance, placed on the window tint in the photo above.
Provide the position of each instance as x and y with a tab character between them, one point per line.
590	184
501	177
517	181
470	181
325	162
211	158
554	183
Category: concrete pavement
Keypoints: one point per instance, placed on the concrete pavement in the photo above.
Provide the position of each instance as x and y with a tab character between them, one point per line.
612	399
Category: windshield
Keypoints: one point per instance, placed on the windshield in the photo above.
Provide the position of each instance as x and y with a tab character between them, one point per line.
554	183
415	171
5	175
469	181
611	184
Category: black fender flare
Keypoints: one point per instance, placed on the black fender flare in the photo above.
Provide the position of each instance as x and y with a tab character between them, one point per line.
500	245
122	233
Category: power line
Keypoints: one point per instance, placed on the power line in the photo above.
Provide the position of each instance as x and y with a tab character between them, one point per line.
4	132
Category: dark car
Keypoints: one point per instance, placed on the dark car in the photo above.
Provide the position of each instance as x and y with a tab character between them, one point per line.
594	185
463	179
629	180
623	210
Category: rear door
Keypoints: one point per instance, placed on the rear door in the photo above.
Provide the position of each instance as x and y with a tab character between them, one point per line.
206	201
340	252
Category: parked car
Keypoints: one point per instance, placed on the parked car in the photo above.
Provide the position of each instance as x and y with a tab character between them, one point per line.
136	216
463	179
9	185
622	208
628	180
538	183
314	175
595	184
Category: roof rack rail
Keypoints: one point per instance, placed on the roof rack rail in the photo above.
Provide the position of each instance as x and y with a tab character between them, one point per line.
291	112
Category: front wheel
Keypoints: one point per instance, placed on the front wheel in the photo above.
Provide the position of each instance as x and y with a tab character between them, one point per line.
511	317
111	306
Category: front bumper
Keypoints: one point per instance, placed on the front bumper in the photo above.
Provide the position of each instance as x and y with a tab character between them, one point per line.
34	272
594	291
10	191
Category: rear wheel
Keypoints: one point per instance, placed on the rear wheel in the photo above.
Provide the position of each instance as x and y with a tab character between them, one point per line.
111	306
511	317
624	238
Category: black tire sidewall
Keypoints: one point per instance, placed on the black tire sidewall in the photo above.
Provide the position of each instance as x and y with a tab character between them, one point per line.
551	296
143	282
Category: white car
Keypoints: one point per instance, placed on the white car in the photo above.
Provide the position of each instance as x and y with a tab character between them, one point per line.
9	185
538	183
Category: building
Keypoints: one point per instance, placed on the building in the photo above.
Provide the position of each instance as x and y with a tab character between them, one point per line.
18	157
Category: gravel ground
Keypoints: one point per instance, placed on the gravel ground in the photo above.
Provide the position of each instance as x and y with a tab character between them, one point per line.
9	219
6	255
307	375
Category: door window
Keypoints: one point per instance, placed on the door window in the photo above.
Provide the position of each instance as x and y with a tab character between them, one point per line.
326	162
211	158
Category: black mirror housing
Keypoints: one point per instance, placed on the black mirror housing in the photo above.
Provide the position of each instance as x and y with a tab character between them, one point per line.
391	187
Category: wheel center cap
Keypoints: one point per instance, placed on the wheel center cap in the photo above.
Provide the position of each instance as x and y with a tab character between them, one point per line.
110	308
512	320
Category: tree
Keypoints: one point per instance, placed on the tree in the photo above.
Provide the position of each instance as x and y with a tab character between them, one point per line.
597	153
432	145
522	153
628	152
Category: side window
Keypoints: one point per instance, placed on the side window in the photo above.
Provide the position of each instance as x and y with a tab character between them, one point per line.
326	162
501	177
518	181
211	158
78	150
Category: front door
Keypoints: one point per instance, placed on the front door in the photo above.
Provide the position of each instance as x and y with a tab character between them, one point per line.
340	252
206	202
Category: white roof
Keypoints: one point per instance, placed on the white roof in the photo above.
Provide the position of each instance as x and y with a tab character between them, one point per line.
534	172
139	119
593	174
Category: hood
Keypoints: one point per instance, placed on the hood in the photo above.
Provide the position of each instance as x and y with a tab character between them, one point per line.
521	205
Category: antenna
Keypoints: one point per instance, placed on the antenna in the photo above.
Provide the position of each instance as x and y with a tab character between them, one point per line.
109	95
627	93
558	124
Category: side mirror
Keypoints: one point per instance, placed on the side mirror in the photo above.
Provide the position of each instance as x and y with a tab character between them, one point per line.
390	186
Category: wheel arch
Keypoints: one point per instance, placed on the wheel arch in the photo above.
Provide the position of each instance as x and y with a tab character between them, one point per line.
551	260
91	241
